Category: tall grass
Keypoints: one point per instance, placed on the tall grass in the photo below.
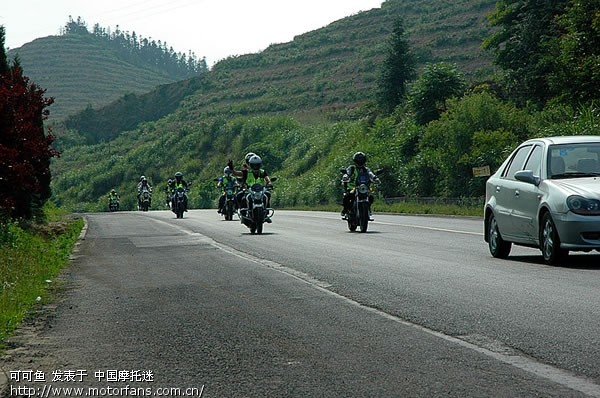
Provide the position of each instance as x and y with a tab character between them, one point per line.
31	257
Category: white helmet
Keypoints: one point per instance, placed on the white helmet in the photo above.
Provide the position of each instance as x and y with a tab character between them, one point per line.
248	156
255	162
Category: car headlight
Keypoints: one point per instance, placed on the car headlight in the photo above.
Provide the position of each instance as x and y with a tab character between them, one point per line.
580	205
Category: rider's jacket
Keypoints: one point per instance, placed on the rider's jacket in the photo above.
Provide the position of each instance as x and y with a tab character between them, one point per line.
226	181
181	184
256	177
142	186
358	175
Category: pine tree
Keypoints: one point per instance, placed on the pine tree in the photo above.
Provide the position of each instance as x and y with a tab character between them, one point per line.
397	71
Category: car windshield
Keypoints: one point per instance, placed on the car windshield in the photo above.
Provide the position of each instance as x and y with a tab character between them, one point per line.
574	160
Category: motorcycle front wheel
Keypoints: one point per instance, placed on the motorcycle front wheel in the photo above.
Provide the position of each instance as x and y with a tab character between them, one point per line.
228	212
363	216
259	218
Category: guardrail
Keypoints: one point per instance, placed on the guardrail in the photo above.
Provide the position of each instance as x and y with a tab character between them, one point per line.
478	201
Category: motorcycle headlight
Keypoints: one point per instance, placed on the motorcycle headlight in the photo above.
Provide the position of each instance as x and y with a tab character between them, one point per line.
257	195
363	188
580	205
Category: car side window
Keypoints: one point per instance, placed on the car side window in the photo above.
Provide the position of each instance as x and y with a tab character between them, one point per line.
534	163
516	162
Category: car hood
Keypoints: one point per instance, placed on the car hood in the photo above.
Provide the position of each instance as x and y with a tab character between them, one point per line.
588	187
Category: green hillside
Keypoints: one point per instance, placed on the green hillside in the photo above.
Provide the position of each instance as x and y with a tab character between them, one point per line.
306	106
81	70
320	75
293	104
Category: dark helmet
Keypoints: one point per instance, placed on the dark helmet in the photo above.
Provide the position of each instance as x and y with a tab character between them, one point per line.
113	191
227	171
360	159
255	162
142	178
248	156
178	176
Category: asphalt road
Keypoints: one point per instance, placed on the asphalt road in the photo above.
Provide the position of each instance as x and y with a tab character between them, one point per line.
416	307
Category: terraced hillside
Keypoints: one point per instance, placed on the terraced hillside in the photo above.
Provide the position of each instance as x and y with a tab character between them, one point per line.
81	71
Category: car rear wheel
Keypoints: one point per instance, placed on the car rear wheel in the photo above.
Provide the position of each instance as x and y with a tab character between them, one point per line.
550	242
499	248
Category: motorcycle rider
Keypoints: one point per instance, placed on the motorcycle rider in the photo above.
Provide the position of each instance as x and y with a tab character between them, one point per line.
169	189
349	181
113	195
226	181
180	183
258	175
242	174
143	184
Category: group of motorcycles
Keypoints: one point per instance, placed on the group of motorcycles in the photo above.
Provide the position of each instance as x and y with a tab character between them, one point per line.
255	213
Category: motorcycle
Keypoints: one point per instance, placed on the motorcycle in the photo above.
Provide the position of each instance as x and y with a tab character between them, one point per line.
359	212
256	214
145	198
230	205
179	200
113	204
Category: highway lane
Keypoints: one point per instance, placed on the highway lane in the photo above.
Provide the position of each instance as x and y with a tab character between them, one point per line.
415	307
437	272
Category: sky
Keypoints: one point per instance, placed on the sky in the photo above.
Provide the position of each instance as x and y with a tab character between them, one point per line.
214	29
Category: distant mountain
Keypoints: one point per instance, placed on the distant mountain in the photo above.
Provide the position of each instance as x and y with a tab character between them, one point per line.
83	69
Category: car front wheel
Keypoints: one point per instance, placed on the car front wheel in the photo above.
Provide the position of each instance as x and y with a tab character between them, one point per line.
499	248
550	242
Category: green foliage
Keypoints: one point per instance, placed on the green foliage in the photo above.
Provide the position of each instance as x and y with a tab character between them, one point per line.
437	84
548	50
577	68
454	144
560	120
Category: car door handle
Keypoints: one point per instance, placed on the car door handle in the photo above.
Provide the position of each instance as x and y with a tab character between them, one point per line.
517	193
497	189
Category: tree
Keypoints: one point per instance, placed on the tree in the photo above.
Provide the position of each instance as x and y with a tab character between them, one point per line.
25	150
474	128
577	73
522	45
436	85
3	58
397	70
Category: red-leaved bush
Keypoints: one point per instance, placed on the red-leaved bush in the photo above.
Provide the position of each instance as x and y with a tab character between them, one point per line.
25	148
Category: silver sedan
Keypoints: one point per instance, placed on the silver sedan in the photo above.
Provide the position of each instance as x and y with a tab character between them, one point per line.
546	195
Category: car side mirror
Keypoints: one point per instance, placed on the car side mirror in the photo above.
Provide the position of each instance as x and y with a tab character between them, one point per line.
528	177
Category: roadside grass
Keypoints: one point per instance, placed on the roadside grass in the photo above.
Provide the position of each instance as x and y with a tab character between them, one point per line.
32	256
